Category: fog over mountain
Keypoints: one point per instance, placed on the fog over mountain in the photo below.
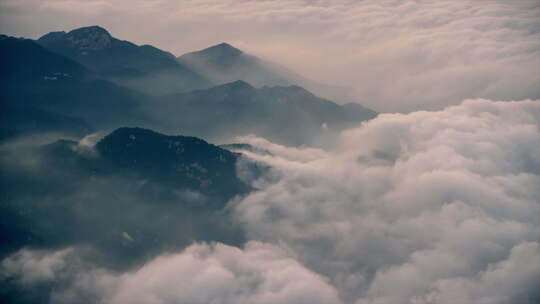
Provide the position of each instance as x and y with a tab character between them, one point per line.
280	151
74	83
289	115
224	63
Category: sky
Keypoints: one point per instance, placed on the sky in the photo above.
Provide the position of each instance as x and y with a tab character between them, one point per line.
397	56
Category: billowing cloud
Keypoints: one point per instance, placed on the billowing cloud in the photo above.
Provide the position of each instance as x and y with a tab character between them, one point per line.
425	208
202	273
396	55
512	280
413	208
30	267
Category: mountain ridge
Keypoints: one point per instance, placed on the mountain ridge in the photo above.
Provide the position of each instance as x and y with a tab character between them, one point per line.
289	115
224	63
145	68
37	79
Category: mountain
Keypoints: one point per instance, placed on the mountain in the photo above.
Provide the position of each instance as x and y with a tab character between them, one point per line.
38	83
188	162
24	60
224	63
125	198
17	121
144	68
134	194
289	115
182	162
45	84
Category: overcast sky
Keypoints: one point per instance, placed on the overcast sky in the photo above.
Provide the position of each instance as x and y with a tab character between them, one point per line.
396	55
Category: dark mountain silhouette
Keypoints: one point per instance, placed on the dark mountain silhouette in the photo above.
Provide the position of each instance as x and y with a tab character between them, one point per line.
145	68
44	82
224	63
25	62
289	115
188	162
19	121
133	195
38	80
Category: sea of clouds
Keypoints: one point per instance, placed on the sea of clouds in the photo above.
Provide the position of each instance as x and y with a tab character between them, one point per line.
428	207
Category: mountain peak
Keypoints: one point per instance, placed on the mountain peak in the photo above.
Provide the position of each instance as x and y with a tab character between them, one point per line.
222	50
224	46
90	30
239	84
84	38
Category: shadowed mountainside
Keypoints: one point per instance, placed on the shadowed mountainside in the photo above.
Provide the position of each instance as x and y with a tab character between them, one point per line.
42	88
145	68
134	194
289	115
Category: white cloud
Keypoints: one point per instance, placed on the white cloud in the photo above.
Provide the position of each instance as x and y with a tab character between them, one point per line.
410	206
259	273
513	280
31	267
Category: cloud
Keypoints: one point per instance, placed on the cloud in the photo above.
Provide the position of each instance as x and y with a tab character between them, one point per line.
413	208
425	208
396	55
510	281
31	267
259	273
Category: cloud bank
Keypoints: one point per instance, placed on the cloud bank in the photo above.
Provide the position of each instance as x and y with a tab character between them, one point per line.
425	208
396	55
416	208
201	274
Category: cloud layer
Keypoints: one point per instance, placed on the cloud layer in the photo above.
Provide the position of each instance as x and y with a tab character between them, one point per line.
396	55
201	274
425	208
414	208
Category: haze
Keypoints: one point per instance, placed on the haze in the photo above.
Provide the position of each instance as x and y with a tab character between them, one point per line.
329	152
395	55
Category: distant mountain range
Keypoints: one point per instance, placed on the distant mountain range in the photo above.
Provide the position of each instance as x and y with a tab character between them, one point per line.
41	88
85	79
144	68
157	72
290	115
224	63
